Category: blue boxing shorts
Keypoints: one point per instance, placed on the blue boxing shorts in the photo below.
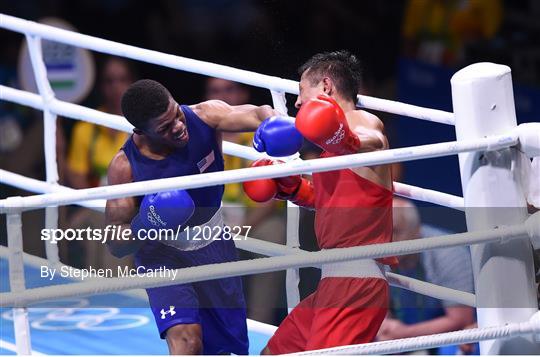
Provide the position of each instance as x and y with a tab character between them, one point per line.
217	305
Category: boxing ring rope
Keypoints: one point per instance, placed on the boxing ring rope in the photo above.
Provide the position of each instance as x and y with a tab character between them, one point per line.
253	245
258	246
427	195
34	185
397	280
264	265
74	111
436	340
272	249
278	87
246	174
205	68
38	262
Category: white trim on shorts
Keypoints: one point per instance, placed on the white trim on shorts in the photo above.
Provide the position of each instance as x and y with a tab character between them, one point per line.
182	243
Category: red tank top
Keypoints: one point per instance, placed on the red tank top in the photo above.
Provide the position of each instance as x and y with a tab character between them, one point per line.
351	211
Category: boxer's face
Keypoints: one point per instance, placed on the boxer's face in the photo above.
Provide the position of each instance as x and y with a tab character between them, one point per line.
170	128
308	90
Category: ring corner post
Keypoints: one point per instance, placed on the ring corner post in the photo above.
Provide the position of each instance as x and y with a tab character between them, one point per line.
483	104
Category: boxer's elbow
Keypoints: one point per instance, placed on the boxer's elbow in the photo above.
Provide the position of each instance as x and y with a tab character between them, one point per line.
265	111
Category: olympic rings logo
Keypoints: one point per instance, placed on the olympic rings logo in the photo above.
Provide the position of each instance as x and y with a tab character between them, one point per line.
151	219
80	317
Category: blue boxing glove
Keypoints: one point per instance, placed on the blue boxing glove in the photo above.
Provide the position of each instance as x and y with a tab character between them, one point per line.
277	136
163	210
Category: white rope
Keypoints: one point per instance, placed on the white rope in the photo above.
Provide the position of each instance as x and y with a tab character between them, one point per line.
246	174
65	109
272	249
49	138
145	55
49	118
196	67
385	105
265	248
427	195
33	185
205	68
397	280
38	262
432	290
400	189
265	265
256	246
279	101
117	122
431	341
74	111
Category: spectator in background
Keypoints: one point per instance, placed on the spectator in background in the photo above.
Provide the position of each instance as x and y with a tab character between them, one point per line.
437	31
263	291
92	146
90	151
21	143
414	314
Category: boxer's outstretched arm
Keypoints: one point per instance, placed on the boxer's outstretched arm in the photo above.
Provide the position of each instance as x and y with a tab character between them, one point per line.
120	211
237	118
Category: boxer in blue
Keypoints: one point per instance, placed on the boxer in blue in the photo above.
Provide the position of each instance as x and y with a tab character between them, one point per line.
172	140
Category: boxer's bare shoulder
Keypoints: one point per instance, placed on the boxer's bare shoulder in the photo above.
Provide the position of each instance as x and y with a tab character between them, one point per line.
365	119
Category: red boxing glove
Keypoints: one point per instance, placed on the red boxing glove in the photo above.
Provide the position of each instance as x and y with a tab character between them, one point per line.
261	190
294	188
323	122
303	195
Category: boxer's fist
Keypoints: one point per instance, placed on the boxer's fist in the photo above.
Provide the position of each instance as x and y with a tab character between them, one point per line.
293	188
277	136
163	210
323	122
260	190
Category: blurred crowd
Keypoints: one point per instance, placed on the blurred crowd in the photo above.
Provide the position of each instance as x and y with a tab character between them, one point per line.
271	37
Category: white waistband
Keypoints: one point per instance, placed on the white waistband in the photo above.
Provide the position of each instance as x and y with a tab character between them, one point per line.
365	268
194	238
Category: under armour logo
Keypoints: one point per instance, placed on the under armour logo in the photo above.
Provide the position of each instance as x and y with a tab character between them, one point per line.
168	312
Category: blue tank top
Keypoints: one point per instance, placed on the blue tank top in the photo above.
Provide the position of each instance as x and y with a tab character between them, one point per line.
202	154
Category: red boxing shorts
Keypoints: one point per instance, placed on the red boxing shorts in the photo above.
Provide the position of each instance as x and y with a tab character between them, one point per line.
343	311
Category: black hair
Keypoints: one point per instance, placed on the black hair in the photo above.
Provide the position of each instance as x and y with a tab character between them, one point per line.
143	101
341	66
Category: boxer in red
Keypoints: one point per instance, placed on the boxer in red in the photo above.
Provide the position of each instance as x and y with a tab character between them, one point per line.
353	207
